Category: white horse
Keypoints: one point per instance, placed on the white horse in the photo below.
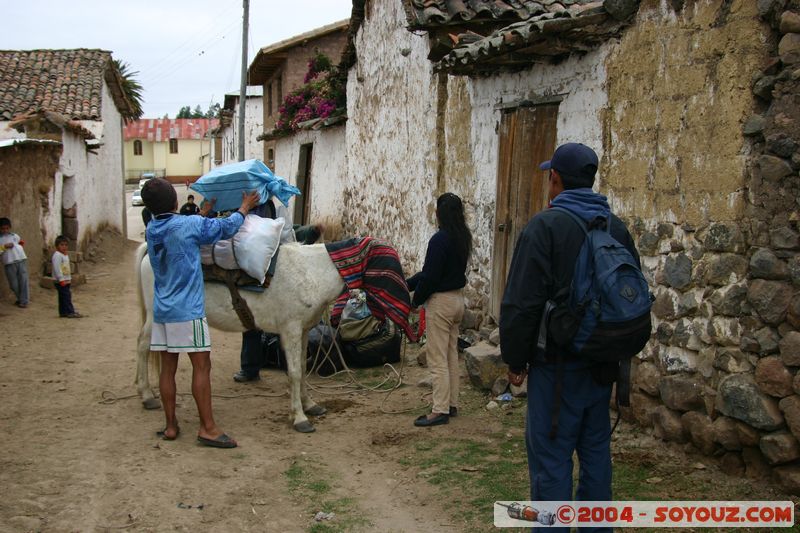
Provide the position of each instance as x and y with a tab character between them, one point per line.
306	281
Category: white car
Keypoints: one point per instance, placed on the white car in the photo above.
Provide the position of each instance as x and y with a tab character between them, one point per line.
145	177
136	198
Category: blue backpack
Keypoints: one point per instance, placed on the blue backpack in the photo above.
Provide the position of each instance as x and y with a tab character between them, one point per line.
605	316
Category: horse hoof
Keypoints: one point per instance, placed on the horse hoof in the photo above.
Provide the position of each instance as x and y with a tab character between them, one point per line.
304	427
152	403
317	410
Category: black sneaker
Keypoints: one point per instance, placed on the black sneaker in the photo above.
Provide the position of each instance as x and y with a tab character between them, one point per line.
241	377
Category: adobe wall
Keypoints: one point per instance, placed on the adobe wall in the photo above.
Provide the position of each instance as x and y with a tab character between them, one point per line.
673	141
296	66
27	174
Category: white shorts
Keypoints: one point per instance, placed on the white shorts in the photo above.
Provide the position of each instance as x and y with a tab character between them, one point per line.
176	337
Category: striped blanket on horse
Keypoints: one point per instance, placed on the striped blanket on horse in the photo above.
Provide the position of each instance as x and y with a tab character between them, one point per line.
374	267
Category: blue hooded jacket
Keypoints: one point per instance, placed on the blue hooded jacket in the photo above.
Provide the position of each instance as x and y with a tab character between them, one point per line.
173	244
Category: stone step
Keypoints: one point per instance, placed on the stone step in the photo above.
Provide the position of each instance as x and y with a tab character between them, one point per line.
48	282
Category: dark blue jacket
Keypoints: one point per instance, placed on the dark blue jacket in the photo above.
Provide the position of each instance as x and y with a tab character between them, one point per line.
444	270
542	265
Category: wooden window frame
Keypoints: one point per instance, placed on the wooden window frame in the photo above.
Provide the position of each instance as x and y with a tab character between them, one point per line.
173	146
137	147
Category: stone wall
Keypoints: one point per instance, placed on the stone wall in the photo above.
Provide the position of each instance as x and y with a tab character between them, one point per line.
721	249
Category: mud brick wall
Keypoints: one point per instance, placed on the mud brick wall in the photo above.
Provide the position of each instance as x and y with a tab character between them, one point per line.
722	250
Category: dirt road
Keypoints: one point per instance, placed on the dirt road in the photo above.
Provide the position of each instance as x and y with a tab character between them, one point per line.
79	453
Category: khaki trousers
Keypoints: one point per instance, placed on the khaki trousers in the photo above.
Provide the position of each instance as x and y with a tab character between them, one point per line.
443	314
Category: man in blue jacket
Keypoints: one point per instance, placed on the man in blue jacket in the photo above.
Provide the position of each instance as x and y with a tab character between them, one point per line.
566	413
179	321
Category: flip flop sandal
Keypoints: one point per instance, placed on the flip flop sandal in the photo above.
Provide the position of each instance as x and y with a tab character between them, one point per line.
223	441
163	434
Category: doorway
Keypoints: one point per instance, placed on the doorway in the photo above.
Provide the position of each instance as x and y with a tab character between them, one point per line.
69	210
302	204
527	137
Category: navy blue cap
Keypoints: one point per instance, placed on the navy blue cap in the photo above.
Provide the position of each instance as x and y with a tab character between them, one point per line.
573	159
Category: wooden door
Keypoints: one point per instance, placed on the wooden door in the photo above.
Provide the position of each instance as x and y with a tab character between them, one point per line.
527	137
302	203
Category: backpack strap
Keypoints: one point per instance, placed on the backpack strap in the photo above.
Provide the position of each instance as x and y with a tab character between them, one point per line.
580	221
624	383
574	217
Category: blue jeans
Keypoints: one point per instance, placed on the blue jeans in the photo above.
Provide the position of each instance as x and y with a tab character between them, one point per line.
17	275
584	426
64	300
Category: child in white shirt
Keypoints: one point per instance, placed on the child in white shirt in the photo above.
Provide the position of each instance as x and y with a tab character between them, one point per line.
15	262
62	274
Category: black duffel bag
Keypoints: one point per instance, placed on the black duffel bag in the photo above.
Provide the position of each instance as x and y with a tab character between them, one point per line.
368	342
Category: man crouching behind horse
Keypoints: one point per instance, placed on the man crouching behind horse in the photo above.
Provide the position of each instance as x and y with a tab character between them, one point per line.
179	322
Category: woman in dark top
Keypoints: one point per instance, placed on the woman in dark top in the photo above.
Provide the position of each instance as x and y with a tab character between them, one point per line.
440	287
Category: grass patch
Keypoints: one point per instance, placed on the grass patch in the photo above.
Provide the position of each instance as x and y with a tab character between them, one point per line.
311	482
473	472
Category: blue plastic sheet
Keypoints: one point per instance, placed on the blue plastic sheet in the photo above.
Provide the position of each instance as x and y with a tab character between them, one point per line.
227	183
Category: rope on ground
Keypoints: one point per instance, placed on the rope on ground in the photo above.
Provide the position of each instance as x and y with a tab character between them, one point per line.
352	383
126	526
108	397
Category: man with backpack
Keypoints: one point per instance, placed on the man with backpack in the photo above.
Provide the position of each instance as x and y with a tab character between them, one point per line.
575	310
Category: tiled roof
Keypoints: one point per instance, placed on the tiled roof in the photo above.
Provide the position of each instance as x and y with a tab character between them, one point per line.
427	14
474	49
163	129
522	43
67	82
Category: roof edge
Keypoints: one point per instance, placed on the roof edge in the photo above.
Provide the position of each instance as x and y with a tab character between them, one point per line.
280	46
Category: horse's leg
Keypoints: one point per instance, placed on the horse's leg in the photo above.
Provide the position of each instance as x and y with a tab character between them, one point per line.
142	375
309	406
292	341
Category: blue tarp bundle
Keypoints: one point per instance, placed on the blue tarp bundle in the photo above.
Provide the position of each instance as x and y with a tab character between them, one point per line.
226	184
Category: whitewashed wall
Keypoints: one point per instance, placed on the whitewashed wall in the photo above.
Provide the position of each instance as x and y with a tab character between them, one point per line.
9	133
253	127
99	185
581	84
328	171
391	141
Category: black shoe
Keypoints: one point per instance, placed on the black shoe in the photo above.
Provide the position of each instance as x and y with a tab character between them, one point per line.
241	377
424	421
453	411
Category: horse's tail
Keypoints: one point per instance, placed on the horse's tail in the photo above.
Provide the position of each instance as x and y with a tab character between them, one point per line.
144	336
140	253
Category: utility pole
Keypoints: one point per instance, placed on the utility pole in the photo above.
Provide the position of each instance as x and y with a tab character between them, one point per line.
243	86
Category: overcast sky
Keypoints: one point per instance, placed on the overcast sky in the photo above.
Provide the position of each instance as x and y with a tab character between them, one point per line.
187	52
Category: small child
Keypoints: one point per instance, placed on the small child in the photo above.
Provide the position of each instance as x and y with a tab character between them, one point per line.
62	274
15	262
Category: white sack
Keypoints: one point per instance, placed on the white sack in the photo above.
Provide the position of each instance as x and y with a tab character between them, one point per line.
253	247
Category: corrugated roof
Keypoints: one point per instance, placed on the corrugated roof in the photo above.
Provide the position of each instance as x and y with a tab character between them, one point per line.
68	82
161	129
428	14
